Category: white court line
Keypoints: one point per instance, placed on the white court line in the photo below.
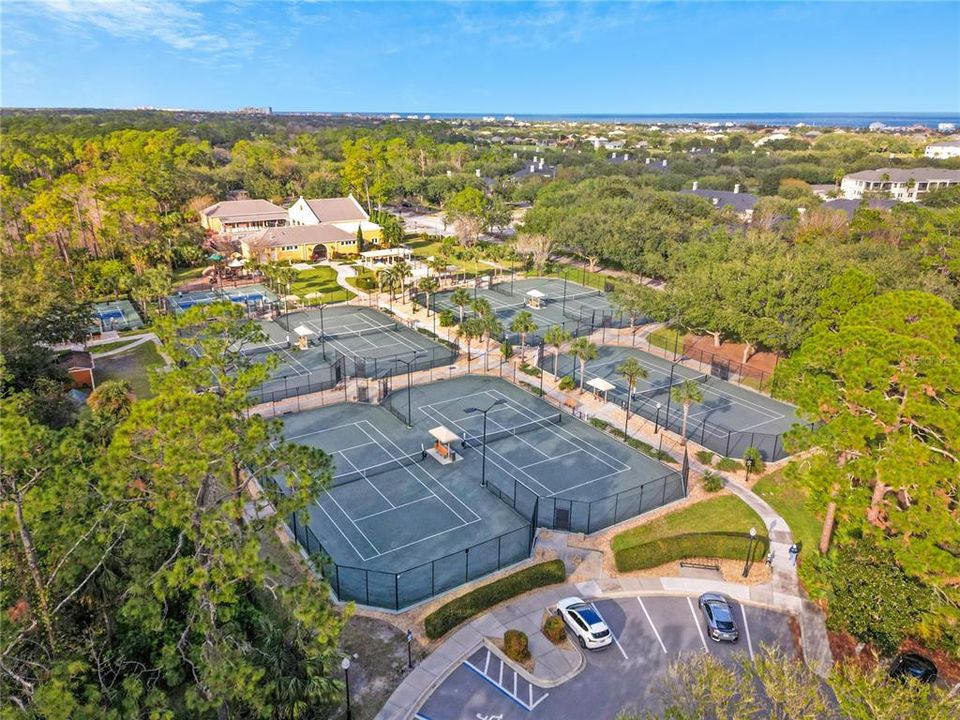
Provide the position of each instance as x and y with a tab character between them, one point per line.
432	477
365	479
486	663
652	626
696	622
340	530
491	452
392	508
554	457
746	626
612	634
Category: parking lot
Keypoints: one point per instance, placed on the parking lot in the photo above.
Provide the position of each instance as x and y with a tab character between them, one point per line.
650	632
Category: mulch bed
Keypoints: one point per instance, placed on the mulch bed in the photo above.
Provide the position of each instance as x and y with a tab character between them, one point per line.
694	345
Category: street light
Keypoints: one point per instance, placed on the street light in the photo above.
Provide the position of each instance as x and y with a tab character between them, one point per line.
746	564
656	422
748	463
483	462
409	363
345	666
323	347
409	651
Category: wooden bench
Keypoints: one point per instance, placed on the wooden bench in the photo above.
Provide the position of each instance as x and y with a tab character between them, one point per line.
570	404
441	449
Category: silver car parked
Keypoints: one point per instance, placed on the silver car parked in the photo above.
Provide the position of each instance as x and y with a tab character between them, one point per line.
719	616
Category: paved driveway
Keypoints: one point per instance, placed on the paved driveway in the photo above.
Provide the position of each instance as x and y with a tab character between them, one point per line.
650	632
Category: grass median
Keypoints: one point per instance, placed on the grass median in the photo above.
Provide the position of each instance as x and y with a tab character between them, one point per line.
714	528
446	617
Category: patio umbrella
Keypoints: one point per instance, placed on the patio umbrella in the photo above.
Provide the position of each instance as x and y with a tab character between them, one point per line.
215	257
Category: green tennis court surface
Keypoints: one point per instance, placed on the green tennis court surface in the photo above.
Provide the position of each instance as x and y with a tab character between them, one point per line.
576	307
115	315
340	342
728	421
401	525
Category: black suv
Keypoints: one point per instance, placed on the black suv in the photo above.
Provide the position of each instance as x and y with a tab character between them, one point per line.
911	665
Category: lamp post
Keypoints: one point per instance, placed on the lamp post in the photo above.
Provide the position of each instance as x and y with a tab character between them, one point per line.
656	422
345	666
323	335
746	564
409	651
483	462
748	464
409	363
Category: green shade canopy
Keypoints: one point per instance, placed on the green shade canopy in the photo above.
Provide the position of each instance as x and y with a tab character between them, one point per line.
216	257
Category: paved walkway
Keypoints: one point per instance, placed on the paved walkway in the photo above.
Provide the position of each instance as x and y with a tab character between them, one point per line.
134	341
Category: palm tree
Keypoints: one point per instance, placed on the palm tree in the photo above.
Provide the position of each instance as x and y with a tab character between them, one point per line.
686	393
584	351
555	337
428	286
438	264
481	307
469	331
112	399
522	324
401	271
632	370
460	298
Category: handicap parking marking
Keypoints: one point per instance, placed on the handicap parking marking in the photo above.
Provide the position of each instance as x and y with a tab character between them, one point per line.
612	633
746	629
518	689
652	626
696	622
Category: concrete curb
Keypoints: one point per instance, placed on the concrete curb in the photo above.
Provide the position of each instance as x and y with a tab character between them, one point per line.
530	677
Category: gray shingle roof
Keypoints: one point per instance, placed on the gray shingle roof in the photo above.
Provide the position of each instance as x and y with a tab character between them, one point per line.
238	210
851	206
339	209
741	202
298	235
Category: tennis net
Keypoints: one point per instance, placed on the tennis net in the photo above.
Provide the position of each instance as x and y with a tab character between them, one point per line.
263	348
378	469
493	435
510	307
346	333
578	296
660	389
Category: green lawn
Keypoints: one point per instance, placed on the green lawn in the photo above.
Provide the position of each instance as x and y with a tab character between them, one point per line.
789	498
321	279
107	347
182	275
720	514
715	528
130	366
667	338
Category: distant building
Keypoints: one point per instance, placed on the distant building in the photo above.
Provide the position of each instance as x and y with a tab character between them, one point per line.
255	111
943	150
741	202
904	184
618	158
537	168
851	206
78	364
344	212
301	243
235	219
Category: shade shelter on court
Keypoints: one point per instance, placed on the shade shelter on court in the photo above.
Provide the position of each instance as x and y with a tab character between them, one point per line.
535	299
599	386
442	450
303	334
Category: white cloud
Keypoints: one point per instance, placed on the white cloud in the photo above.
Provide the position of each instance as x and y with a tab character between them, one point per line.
177	24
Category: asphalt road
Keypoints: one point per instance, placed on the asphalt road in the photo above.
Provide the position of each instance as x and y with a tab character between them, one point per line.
650	633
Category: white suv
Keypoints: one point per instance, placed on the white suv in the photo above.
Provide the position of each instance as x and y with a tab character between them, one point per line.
585	622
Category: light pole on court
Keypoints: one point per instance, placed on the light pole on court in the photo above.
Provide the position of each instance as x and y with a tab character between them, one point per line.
345	666
746	564
483	461
409	363
656	422
323	335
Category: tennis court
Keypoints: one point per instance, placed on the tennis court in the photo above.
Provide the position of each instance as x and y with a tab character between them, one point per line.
116	315
728	420
371	343
256	297
550	301
402	523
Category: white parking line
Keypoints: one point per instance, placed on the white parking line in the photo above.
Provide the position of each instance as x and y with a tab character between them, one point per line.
746	627
652	626
696	622
612	634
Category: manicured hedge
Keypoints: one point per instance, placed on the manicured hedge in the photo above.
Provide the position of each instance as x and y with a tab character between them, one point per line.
448	616
728	546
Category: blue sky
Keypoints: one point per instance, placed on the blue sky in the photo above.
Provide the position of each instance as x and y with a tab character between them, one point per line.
482	57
